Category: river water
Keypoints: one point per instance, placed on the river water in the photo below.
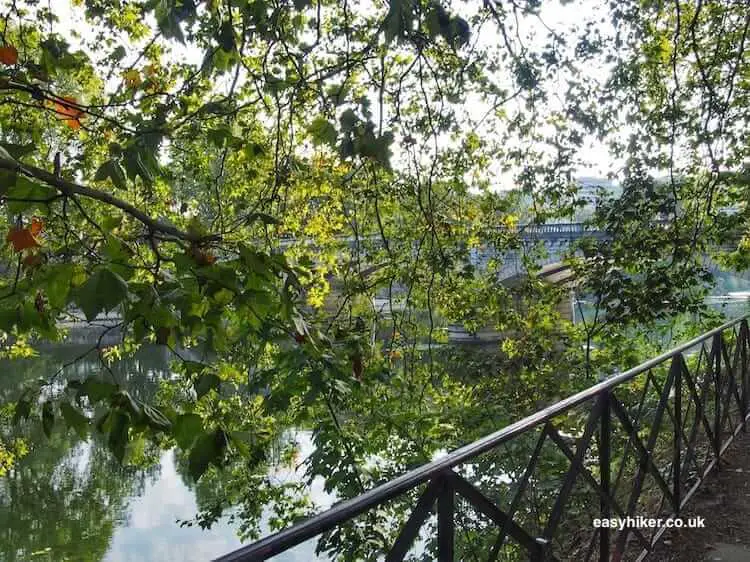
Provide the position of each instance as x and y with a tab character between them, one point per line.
69	500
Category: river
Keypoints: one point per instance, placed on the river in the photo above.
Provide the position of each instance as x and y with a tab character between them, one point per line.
68	499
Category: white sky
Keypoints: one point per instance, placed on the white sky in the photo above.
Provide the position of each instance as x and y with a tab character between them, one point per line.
596	160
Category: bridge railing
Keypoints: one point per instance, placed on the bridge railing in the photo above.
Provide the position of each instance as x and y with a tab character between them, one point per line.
637	444
575	228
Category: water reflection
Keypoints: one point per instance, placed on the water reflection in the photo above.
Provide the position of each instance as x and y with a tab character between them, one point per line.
68	499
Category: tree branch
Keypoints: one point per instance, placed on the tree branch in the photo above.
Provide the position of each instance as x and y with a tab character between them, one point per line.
70	189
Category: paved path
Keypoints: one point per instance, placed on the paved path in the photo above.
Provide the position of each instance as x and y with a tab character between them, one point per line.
724	501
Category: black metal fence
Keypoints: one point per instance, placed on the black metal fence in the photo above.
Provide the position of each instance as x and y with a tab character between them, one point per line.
637	444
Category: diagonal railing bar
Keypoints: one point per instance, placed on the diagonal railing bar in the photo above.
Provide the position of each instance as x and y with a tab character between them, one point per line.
413	524
702	354
735	352
688	442
734	372
716	374
605	470
575	463
743	341
664	392
711	465
705	400
721	385
629	444
692	455
590	548
694	399
680	439
726	398
530	467
674	467
679	434
709	392
446	520
698	419
603	496
732	388
741	367
475	497
700	415
647	463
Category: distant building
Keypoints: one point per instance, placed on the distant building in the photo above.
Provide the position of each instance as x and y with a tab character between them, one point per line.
590	192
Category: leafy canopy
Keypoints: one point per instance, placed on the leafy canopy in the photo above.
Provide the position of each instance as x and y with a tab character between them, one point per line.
241	181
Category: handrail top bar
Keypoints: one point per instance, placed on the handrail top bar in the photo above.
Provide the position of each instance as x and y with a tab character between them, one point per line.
348	509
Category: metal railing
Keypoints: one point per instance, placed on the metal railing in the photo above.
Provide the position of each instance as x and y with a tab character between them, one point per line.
638	443
576	228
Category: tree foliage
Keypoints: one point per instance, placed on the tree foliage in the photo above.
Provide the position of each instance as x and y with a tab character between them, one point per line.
240	181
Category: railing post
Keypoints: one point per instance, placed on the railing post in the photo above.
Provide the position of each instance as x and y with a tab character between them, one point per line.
716	348
445	522
743	341
604	473
676	367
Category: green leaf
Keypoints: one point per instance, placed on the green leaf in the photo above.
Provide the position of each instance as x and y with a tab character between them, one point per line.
111	169
122	399
348	120
7	180
399	19
239	442
103	291
223	297
118	435
155	419
299	324
253	150
57	284
137	162
28	195
119	53
95	388
9	317
110	222
186	429
220	136
323	131
226	36
264	218
56	55
346	149
22	411
205	383
12	151
75	419
435	20
208	449
168	22
460	32
4	153
48	419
